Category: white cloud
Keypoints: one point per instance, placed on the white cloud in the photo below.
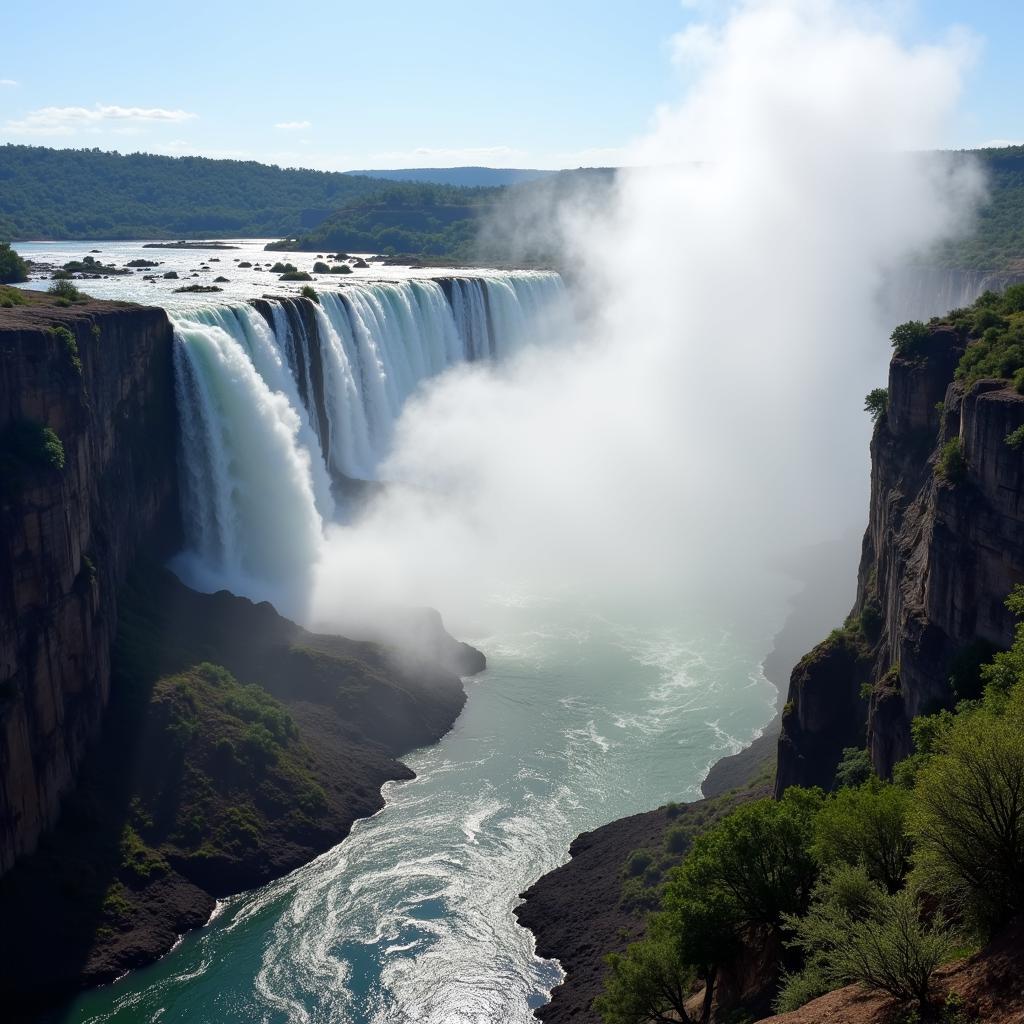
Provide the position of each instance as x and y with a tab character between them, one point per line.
293	126
7	81
67	120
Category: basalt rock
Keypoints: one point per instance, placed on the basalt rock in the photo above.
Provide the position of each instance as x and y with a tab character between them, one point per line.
104	385
938	560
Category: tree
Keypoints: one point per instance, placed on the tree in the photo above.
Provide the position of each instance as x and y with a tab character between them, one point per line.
866	826
12	267
908	339
876	402
856	932
757	861
968	816
649	984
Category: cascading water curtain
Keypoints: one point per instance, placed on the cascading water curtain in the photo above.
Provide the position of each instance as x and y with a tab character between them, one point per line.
283	399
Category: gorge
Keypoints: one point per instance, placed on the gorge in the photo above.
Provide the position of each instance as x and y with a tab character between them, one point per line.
286	406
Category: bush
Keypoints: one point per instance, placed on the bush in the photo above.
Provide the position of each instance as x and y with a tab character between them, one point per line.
70	345
295	275
26	446
952	466
1015	439
968	817
11	297
866	826
854	767
757	861
646	984
309	292
321	268
638	862
876	402
65	292
856	932
909	339
12	267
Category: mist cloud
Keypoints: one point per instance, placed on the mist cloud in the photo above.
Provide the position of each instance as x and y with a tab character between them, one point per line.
706	413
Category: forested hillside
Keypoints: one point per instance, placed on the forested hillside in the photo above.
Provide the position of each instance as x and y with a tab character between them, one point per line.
86	193
90	194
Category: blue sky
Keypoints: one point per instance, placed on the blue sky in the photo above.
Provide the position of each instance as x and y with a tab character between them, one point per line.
404	82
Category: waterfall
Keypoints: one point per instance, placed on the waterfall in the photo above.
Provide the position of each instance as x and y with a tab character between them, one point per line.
285	403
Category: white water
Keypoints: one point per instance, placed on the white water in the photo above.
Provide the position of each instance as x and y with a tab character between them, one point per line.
284	403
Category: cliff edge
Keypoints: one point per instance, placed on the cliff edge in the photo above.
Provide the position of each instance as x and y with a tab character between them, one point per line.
88	479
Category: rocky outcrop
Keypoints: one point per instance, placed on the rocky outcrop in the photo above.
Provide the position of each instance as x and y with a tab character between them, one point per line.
104	385
182	801
939	558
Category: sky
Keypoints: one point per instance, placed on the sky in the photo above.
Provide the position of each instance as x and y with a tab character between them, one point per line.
349	85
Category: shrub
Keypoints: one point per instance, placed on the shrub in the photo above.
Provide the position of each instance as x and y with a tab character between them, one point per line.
26	446
952	466
309	292
65	292
854	767
70	345
968	817
283	268
908	339
1015	439
677	839
648	983
638	862
295	275
856	932
321	268
757	861
12	267
866	826
876	402
11	297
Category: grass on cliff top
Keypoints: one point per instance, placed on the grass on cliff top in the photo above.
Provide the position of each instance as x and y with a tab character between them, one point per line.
11	297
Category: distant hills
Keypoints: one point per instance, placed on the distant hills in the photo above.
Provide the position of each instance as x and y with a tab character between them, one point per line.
434	213
466	177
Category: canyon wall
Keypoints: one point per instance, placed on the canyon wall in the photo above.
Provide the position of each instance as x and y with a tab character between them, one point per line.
939	558
104	384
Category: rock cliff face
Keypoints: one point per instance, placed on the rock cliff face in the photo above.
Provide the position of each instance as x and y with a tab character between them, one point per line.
68	535
939	559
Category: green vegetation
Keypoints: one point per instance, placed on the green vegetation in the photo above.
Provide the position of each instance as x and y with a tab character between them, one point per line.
878	883
993	328
909	339
86	193
1015	439
27	448
11	297
855	931
951	465
295	275
998	241
65	292
12	267
92	267
309	292
876	402
67	340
